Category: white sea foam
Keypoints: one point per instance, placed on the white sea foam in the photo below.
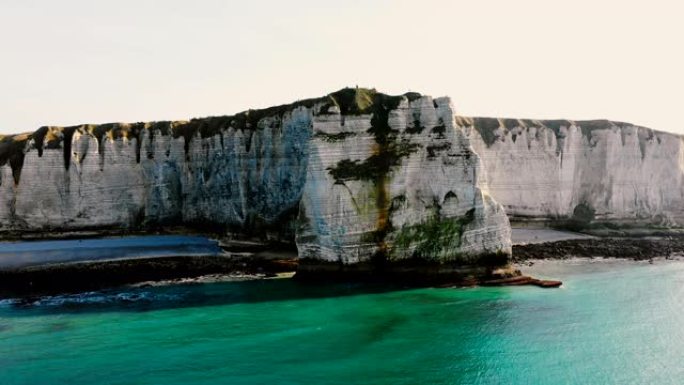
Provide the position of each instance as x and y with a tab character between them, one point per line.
93	298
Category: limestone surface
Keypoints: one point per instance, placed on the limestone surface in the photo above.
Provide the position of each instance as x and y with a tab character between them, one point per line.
353	177
397	182
596	171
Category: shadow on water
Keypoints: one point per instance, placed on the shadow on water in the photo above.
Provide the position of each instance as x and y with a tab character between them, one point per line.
108	286
15	255
150	298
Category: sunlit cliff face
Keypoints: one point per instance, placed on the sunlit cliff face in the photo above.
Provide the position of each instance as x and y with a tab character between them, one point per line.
355	176
594	171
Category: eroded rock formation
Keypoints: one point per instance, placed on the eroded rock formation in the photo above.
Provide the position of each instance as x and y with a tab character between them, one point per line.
396	182
358	177
583	171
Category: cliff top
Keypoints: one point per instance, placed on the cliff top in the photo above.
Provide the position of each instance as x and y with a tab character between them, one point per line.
348	101
488	128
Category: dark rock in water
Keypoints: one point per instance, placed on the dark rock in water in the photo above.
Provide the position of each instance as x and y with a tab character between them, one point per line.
412	272
522	280
511	281
546	283
76	277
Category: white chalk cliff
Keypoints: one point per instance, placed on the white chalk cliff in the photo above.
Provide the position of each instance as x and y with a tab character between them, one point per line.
354	177
553	170
400	183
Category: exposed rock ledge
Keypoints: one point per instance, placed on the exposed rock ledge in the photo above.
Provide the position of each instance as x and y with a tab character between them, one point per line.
357	179
645	248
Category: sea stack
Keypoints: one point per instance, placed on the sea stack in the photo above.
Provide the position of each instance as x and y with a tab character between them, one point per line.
393	187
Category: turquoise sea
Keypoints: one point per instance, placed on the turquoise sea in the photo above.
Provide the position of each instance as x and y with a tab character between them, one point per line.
611	323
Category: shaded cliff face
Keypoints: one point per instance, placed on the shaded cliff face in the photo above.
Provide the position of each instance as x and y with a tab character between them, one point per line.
242	173
601	171
360	176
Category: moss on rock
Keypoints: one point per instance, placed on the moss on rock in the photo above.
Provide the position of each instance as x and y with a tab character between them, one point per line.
375	166
432	238
487	128
332	138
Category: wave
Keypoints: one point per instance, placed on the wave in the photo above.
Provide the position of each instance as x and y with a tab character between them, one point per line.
93	298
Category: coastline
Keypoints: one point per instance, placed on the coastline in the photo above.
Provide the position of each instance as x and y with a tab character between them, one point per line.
638	249
104	274
533	262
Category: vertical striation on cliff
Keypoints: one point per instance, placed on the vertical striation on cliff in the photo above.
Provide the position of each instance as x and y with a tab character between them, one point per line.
393	182
559	170
242	173
356	178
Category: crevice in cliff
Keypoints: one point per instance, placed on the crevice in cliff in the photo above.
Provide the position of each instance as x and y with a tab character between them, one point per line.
644	136
68	134
12	151
99	136
38	138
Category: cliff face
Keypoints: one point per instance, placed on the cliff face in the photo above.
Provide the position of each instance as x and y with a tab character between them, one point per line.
395	183
359	176
245	179
603	171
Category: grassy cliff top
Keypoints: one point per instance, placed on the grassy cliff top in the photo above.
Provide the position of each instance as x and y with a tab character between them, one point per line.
488	127
348	101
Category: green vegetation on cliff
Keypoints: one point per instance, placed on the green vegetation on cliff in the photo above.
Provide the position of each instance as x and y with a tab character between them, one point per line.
390	148
348	100
374	167
13	147
434	237
492	130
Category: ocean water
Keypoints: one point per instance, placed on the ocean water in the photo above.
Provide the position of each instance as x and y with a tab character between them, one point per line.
611	323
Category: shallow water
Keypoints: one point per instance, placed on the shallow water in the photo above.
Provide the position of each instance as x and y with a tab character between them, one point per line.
613	323
22	254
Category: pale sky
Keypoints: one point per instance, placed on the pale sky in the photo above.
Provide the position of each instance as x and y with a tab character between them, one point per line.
83	61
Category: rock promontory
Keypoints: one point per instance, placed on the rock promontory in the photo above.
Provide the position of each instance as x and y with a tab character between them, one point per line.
360	181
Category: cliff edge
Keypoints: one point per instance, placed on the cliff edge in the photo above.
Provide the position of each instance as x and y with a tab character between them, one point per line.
581	173
360	180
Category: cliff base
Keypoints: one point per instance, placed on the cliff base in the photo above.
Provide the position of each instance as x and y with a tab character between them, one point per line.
639	249
407	272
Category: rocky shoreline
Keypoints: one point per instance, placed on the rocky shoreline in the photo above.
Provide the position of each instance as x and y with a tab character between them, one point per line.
639	249
255	262
63	278
523	280
89	276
